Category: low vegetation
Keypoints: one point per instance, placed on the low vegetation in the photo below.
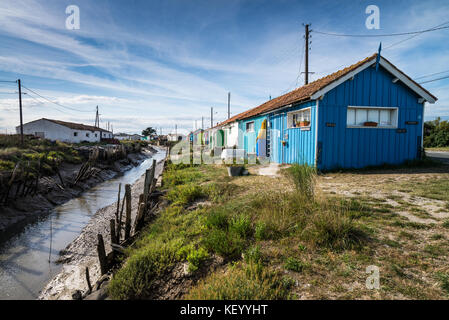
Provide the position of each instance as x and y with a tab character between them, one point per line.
436	134
284	238
34	154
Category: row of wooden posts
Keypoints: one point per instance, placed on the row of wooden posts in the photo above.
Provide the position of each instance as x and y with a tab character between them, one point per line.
117	225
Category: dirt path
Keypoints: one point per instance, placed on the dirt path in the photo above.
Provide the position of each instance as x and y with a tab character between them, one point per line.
81	253
397	189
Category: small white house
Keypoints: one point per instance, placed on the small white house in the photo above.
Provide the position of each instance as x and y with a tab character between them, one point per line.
64	131
125	136
176	137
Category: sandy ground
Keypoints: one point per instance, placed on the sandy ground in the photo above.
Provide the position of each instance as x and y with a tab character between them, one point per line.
388	186
82	252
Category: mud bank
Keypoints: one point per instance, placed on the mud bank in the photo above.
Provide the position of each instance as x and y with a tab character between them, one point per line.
82	252
51	193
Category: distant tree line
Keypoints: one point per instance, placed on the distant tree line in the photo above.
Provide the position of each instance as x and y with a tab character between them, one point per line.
436	133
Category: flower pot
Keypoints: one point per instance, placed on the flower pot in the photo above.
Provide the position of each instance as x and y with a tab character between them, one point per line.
304	123
370	124
235	171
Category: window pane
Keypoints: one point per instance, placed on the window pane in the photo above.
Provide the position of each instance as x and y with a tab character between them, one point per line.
373	115
385	117
351	117
361	116
307	115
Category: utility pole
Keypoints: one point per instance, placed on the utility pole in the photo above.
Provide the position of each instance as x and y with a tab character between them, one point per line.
211	117
202	123
176	132
20	105
97	119
229	105
307	54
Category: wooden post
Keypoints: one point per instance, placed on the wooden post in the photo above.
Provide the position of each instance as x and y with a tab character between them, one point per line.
139	218
128	211
113	232
89	285
102	255
149	181
119	225
118	202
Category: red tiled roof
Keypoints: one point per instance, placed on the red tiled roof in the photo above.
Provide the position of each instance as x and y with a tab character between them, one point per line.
305	92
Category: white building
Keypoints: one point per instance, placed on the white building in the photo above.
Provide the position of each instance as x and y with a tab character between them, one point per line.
64	131
176	137
125	136
231	134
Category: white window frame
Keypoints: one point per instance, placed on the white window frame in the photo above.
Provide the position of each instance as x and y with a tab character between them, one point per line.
301	111
394	119
246	126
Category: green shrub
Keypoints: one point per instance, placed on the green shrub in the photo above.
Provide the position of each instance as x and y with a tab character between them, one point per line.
196	258
261	231
293	264
185	194
241	225
217	219
253	255
226	244
304	179
134	279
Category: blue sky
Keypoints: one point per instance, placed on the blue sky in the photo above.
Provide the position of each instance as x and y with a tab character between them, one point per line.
161	63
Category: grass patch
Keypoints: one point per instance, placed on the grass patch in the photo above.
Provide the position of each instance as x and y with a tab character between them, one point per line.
294	264
248	282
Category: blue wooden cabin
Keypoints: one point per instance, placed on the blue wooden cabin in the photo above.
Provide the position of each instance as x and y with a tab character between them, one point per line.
368	114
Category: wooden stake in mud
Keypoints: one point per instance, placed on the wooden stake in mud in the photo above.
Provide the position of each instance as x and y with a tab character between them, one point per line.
118	202
113	232
139	218
102	255
89	285
128	211
149	176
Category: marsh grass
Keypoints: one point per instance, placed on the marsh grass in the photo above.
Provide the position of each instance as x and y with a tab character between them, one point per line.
242	282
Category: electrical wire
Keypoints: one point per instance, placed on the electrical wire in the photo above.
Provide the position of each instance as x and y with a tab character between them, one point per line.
446	77
58	104
413	36
381	35
429	75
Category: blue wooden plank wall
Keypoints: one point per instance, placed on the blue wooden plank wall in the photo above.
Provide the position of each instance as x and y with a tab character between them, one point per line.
344	147
300	144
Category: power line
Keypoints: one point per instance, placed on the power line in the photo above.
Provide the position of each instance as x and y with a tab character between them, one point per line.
381	35
8	81
40	102
58	104
413	36
432	74
446	77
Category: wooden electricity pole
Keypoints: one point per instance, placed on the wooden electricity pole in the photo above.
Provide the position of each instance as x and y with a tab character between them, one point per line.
307	55
229	105
211	117
20	106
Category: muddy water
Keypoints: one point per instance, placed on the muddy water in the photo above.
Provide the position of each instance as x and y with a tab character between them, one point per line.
27	261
